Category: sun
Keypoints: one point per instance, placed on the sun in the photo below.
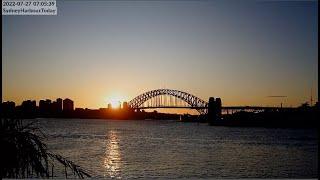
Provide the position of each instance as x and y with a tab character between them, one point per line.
115	104
116	100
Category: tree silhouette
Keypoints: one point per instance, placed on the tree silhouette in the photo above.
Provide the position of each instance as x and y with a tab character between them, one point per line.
24	154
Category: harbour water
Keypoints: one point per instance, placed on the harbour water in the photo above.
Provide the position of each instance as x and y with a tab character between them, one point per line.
171	149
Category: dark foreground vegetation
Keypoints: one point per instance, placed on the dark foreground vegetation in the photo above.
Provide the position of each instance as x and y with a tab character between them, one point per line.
25	155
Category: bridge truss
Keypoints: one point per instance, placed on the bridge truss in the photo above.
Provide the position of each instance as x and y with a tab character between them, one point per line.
168	98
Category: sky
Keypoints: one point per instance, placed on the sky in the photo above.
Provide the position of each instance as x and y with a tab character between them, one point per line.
95	52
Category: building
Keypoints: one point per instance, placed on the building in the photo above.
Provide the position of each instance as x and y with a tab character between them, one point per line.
125	105
29	105
8	105
28	108
8	108
56	106
68	105
45	106
59	104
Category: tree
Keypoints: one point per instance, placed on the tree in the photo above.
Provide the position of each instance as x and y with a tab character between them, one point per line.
24	154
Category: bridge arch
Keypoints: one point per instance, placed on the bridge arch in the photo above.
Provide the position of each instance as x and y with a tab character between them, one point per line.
194	102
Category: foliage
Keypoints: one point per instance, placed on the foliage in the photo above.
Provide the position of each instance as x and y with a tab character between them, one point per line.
24	154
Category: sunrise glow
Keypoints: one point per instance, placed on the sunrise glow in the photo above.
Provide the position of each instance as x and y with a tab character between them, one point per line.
115	104
116	99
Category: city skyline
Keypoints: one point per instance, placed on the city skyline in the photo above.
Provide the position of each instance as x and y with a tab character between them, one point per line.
98	52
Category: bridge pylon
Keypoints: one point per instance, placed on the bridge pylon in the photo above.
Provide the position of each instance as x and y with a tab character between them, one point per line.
214	110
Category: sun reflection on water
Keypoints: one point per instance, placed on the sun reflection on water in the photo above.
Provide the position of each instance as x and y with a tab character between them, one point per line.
112	160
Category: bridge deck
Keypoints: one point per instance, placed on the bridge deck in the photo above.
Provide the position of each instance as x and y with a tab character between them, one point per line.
224	107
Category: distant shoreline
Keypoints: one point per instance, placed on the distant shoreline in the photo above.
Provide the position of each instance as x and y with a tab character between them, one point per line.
222	123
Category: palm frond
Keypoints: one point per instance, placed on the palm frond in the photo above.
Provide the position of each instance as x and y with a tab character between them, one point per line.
24	154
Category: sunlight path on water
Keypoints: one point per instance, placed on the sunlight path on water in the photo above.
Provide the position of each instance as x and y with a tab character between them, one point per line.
112	156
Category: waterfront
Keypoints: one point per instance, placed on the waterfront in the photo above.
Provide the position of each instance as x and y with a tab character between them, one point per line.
171	149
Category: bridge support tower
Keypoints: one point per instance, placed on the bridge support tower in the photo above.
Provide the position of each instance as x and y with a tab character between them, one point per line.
214	110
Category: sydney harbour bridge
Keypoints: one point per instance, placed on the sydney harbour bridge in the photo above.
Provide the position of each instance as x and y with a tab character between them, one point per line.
168	98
